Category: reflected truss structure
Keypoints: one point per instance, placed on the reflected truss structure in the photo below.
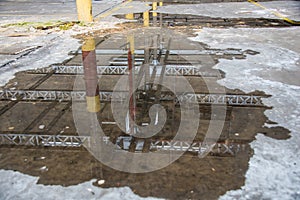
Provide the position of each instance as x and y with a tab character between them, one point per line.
122	143
43	140
172	52
171	70
107	96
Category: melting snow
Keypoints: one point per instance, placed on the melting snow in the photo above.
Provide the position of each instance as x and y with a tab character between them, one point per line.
274	171
15	185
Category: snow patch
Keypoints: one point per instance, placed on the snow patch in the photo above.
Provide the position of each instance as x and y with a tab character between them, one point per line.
54	44
274	171
15	185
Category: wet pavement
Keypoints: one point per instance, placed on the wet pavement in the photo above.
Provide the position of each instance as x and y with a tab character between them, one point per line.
138	106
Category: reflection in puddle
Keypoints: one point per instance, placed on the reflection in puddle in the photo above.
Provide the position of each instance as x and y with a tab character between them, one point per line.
147	60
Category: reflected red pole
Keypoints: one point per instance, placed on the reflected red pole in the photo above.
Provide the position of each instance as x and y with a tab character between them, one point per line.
131	91
90	75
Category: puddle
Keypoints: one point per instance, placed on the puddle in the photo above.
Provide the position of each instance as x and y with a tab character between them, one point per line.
68	104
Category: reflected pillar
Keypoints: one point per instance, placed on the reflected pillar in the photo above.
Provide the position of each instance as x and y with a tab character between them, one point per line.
131	79
90	75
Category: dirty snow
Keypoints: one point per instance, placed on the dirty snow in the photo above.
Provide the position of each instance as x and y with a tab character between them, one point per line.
274	171
15	185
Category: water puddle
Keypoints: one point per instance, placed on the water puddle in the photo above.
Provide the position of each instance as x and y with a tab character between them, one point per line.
141	108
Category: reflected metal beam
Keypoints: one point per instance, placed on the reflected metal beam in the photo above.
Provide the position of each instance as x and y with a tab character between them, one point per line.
43	140
122	143
172	52
106	96
171	70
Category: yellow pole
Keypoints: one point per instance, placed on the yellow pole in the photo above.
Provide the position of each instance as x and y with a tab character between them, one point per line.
154	8
129	16
161	3
84	10
146	18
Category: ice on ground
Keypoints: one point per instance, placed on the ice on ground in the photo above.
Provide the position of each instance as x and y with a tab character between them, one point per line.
15	185
274	171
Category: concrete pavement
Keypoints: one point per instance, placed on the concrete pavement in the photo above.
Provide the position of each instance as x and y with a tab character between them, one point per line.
44	10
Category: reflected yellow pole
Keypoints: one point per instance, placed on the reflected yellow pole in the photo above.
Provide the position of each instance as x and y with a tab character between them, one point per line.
90	75
130	40
161	3
84	10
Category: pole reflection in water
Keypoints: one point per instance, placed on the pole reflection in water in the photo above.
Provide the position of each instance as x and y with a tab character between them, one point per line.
90	75
131	78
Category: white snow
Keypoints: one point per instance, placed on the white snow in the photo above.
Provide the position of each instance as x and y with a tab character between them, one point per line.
15	185
274	171
55	46
54	49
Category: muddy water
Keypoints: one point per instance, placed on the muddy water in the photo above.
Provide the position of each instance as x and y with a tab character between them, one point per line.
189	177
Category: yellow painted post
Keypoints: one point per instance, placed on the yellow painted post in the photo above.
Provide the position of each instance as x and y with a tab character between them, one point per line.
84	10
154	8
160	15
146	18
129	16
